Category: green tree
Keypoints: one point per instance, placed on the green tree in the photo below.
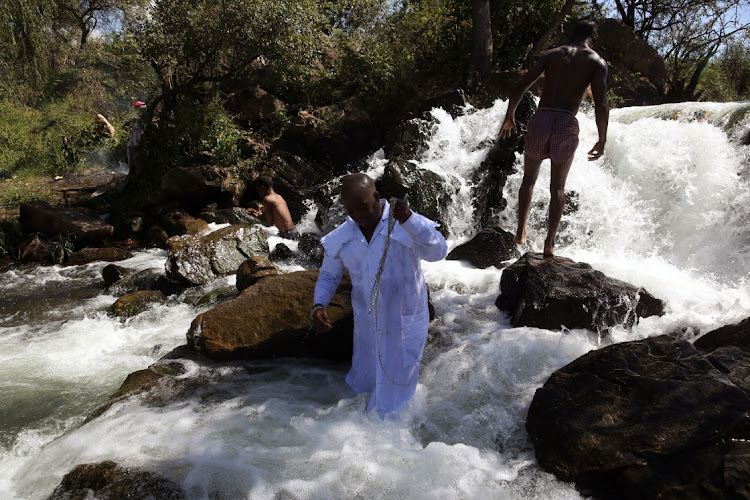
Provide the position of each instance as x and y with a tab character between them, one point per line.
727	77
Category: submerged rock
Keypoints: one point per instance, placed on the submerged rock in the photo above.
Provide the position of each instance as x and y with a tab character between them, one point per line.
135	303
654	418
551	293
492	246
272	319
112	273
107	480
148	279
198	259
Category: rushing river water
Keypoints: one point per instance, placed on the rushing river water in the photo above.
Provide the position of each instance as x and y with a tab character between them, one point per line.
666	209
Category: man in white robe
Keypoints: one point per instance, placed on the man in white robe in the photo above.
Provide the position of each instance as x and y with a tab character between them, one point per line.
388	340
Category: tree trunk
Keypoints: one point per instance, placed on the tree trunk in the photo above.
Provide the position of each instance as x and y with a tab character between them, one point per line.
482	52
541	44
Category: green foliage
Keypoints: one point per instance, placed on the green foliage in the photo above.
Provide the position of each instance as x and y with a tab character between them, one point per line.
11	235
727	77
61	247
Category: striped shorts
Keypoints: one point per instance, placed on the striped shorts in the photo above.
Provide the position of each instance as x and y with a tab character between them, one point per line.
553	134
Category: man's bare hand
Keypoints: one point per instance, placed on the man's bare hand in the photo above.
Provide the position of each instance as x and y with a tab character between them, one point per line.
401	210
254	212
321	321
508	128
597	151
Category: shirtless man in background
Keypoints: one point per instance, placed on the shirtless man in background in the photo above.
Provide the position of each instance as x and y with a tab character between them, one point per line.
275	211
553	130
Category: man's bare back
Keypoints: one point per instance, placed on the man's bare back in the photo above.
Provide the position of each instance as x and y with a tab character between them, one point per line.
276	212
568	71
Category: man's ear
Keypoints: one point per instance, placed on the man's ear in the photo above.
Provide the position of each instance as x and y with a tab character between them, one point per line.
376	195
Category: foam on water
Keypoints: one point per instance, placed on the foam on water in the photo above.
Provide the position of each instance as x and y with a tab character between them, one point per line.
664	209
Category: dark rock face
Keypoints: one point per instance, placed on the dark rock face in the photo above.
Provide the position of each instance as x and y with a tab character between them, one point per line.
281	252
408	140
452	101
87	255
197	186
491	247
272	319
655	418
550	293
34	249
234	215
129	227
40	216
311	248
254	269
178	222
349	133
637	71
157	237
490	178
107	480
198	259
429	193
148	279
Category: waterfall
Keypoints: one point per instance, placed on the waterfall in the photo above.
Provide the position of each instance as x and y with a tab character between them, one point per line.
665	208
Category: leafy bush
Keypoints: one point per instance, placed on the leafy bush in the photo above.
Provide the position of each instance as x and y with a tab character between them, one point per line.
61	247
11	235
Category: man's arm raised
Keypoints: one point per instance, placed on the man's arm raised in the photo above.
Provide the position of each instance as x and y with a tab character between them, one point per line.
601	109
532	75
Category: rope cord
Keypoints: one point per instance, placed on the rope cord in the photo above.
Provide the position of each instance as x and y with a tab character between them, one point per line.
376	290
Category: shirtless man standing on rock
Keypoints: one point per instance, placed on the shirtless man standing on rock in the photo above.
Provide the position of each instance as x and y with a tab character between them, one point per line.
275	211
553	130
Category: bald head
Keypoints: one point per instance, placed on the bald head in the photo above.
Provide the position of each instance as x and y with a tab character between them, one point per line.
361	200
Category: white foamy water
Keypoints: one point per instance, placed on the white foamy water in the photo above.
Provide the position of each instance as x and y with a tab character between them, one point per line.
664	209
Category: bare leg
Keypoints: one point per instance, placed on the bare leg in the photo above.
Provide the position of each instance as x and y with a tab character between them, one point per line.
558	176
530	173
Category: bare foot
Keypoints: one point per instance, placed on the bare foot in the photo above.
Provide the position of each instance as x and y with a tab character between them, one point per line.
548	253
519	240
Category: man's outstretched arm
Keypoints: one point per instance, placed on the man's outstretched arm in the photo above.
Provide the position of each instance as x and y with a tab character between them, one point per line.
532	75
601	110
329	278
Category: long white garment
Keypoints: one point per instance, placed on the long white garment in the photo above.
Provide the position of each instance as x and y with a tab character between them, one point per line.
388	344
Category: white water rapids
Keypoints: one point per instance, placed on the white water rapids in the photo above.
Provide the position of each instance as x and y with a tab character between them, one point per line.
666	209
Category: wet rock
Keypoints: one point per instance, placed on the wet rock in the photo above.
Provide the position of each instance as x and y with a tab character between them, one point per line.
281	252
157	237
331	213
653	418
148	279
492	246
429	193
178	222
408	140
87	255
490	178
272	319
135	303
255	104
254	269
198	259
217	295
551	293
234	215
113	273
452	101
311	248
34	249
40	216
129	227
107	480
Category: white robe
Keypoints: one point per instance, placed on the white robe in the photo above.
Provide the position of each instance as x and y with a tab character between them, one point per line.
388	345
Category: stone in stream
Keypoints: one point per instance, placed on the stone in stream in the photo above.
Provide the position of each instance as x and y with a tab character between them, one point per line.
492	246
108	480
198	259
132	304
654	418
271	319
34	249
254	269
40	216
148	279
113	273
178	222
88	255
557	292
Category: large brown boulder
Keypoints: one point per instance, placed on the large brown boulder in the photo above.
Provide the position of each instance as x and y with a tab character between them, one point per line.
40	216
557	292
253	270
638	74
271	319
654	418
107	480
492	246
178	222
198	259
